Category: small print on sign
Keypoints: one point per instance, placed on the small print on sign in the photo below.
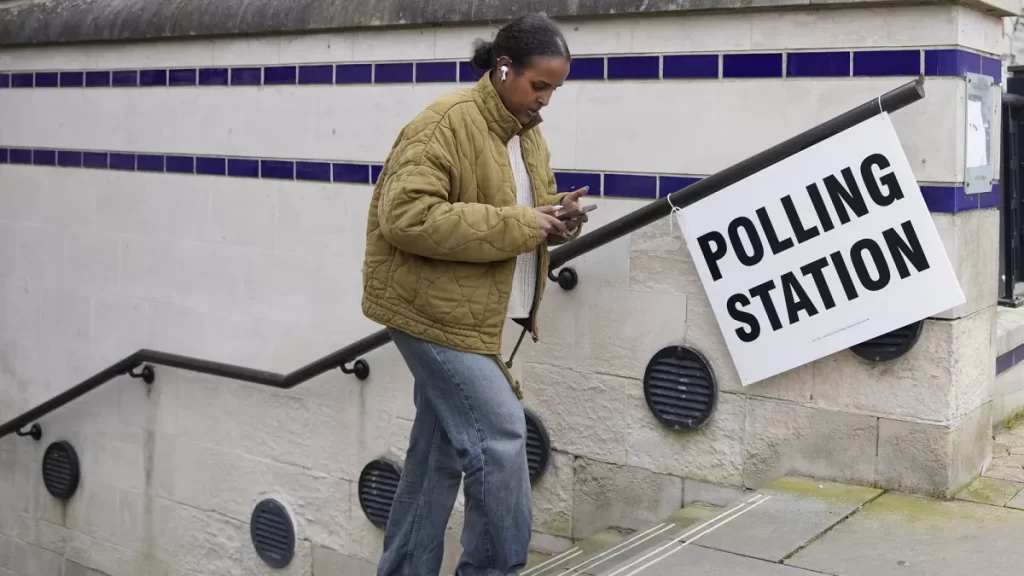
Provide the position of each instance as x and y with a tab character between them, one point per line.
824	250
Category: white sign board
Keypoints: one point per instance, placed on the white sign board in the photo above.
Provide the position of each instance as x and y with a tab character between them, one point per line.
824	250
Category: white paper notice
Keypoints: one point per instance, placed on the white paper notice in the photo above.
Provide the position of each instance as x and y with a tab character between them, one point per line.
977	143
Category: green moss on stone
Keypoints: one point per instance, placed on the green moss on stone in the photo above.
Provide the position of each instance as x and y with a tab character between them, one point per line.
990	491
830	491
924	512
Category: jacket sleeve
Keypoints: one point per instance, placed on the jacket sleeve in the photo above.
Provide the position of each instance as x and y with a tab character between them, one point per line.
416	215
553	198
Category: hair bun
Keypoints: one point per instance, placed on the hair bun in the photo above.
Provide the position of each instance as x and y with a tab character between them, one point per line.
483	54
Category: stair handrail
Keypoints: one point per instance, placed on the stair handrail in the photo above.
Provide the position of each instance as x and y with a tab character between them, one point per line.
891	101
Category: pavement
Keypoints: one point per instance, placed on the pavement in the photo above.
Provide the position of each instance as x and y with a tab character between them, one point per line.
806	527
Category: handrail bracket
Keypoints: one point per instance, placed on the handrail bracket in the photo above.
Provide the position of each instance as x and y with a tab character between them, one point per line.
147	374
35	432
360	368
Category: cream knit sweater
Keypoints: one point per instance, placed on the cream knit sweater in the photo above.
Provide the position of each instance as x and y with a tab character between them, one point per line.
524	282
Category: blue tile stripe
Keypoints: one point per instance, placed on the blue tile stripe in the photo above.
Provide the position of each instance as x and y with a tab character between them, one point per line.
268	168
933	62
1010	359
941	199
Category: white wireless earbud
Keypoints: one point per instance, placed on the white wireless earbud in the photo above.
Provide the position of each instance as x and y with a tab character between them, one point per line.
504	73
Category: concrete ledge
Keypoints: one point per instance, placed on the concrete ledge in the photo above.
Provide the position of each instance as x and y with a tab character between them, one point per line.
70	21
1009	335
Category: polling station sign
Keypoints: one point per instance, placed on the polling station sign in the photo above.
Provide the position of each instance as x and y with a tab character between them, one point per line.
824	250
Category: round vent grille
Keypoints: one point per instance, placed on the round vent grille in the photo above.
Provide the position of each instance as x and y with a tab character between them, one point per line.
890	346
60	470
680	388
538	446
378	484
272	533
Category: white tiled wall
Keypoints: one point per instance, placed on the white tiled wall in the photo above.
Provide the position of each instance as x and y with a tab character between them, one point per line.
96	264
665	126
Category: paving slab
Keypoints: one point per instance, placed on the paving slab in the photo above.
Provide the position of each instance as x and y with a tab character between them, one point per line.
697	561
796	511
990	491
641	543
911	536
1017	501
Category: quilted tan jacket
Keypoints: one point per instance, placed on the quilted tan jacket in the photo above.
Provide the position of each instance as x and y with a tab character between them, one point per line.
444	228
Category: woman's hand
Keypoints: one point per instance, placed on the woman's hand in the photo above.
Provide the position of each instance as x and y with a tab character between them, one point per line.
546	221
571	202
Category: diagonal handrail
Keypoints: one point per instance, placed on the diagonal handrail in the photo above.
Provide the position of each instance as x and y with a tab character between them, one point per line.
333	360
896	99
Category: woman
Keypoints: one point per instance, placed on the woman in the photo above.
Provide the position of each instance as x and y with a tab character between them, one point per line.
457	240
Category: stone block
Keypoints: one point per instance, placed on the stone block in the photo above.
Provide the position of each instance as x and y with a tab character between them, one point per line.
606	495
401	433
7	250
713	453
585	414
971	241
39	256
76	569
90	261
947	374
659	261
931	459
181	470
708	493
211	544
284	427
327	561
618	332
116	453
785	439
308	223
703	334
241	213
150	406
28	559
553	497
6	551
856	27
318	502
973	374
93	510
365	541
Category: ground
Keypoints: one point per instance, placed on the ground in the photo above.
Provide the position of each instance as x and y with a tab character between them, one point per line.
805	527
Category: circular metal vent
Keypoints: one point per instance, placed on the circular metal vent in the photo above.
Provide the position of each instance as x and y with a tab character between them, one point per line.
680	388
538	446
378	484
272	533
890	346
61	470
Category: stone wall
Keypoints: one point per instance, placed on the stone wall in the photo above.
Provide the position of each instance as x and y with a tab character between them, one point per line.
175	246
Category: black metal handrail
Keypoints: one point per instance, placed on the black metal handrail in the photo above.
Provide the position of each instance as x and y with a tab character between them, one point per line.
894	100
338	359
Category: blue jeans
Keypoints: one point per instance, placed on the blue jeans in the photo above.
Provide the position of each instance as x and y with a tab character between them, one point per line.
468	420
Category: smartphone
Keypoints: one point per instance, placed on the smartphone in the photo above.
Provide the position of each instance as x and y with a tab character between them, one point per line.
575	214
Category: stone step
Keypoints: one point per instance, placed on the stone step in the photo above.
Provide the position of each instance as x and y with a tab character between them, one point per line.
614	547
753	536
